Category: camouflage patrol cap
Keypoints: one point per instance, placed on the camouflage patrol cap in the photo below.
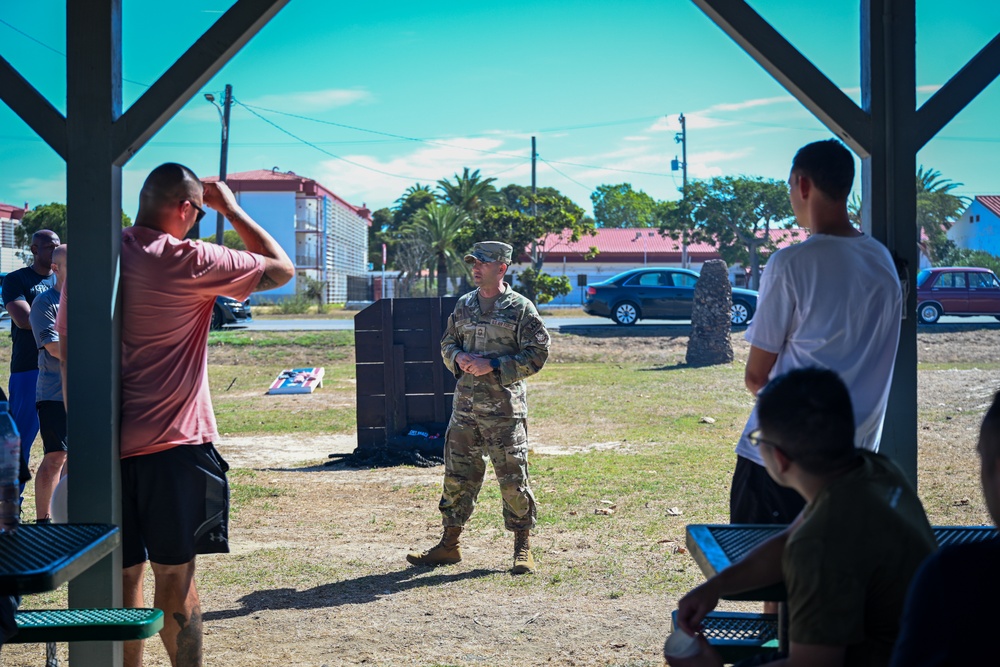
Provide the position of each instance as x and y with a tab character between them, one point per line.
490	251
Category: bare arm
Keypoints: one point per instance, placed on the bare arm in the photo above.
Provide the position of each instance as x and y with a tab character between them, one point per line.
19	311
759	365
53	349
278	268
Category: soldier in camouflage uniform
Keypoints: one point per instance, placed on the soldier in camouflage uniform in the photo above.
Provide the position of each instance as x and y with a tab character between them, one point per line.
495	339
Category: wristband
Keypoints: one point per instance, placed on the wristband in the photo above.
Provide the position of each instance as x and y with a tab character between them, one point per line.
494	363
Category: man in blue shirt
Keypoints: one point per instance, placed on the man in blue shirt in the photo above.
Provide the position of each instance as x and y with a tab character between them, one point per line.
19	291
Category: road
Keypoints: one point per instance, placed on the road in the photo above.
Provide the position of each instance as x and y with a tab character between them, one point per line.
554	323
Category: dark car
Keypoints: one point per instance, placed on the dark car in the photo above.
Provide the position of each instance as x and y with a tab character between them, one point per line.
230	311
957	290
657	294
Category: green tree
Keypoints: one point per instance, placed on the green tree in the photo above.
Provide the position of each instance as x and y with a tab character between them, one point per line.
48	216
938	207
470	192
377	235
230	239
738	213
620	206
531	235
541	287
439	226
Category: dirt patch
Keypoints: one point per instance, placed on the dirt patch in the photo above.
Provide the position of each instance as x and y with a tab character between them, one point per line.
318	577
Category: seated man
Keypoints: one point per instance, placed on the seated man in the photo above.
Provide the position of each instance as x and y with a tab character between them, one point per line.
847	559
951	610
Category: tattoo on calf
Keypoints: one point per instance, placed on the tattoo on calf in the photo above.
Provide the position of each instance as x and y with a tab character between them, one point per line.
189	645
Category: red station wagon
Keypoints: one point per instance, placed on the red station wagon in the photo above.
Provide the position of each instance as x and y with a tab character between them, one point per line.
957	290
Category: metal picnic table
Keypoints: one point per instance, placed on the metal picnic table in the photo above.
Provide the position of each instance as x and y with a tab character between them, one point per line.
39	558
717	546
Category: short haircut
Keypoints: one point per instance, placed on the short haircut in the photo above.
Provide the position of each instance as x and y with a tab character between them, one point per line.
989	432
807	413
829	165
169	184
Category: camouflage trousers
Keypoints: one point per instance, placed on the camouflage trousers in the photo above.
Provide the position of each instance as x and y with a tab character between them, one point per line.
468	443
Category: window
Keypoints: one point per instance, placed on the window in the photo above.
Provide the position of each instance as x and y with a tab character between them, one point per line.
652	280
684	280
955	280
982	281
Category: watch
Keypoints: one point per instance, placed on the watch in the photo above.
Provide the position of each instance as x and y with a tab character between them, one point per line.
494	363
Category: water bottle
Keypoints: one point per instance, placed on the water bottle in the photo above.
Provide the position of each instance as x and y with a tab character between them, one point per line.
10	471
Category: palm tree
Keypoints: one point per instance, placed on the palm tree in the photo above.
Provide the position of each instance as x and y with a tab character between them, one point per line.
438	226
470	192
937	209
409	192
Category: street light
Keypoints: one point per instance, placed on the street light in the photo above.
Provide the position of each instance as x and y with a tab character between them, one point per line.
220	223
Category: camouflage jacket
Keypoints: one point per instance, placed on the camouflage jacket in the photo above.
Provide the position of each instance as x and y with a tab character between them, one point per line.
511	332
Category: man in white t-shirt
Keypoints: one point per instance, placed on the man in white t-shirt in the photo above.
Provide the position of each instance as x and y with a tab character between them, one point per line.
832	301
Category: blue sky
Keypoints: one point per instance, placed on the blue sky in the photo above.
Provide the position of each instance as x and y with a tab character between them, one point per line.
467	84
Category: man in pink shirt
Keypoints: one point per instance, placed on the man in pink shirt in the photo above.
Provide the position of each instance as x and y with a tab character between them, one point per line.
175	497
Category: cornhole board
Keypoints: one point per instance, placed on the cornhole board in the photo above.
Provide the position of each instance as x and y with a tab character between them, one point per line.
297	381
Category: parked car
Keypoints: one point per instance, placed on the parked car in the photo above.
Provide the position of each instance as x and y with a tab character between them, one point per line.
657	294
957	290
230	311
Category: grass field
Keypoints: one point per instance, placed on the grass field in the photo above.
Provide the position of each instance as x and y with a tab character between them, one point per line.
317	574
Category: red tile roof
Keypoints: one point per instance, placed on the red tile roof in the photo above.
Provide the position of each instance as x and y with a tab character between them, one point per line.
272	180
992	202
10	211
627	244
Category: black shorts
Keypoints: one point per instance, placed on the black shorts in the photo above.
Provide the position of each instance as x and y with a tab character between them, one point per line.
756	498
175	505
52	425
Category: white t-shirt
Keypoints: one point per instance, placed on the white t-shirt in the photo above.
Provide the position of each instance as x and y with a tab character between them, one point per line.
833	302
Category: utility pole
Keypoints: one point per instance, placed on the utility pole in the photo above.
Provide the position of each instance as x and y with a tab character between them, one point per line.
681	138
534	184
220	222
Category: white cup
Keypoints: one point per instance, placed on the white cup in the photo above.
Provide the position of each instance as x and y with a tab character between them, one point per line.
680	645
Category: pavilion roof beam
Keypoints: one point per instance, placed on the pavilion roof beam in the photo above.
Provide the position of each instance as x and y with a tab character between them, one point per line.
793	71
960	90
33	108
191	71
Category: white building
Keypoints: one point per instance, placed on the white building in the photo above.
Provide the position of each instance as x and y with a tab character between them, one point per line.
326	236
10	218
978	228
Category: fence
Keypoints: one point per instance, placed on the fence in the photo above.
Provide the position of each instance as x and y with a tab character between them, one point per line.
367	289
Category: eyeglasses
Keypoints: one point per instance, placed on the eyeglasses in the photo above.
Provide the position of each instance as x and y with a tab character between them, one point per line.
757	441
201	211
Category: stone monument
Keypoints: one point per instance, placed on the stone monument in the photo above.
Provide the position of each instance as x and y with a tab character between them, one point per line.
711	319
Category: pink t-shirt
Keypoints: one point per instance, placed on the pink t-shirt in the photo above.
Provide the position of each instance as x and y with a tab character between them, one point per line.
168	288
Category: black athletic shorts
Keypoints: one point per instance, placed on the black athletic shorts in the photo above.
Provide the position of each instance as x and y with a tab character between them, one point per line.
52	425
175	505
756	498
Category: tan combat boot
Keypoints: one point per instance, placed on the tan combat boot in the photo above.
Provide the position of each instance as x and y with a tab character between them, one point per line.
524	563
445	552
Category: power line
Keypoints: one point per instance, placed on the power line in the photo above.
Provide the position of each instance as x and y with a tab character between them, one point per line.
568	178
55	50
326	152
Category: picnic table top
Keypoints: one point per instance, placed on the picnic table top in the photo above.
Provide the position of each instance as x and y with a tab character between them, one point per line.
717	546
37	558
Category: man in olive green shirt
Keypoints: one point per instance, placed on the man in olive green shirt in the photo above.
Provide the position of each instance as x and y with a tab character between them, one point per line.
848	558
494	340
